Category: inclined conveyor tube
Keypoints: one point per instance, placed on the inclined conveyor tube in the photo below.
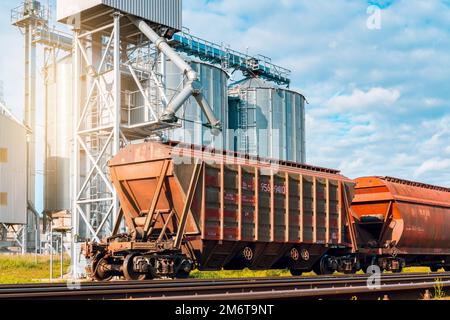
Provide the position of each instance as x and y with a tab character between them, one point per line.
192	88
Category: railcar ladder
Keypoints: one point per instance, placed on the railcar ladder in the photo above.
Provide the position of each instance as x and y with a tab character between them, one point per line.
243	125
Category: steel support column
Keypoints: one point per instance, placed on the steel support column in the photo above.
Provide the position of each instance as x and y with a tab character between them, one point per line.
117	101
76	154
97	132
30	121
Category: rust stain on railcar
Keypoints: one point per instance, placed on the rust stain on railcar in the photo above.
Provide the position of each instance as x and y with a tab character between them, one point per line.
238	200
410	216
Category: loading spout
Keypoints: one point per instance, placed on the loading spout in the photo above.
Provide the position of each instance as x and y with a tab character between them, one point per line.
193	86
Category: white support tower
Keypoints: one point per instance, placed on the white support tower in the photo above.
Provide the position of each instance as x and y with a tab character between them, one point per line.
113	65
119	97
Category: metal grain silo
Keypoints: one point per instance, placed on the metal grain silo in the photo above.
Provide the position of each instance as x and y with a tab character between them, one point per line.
214	81
269	121
13	172
58	131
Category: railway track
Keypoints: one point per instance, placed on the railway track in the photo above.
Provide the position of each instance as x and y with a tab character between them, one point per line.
407	286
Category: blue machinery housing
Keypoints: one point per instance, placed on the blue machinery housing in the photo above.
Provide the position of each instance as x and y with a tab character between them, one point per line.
228	58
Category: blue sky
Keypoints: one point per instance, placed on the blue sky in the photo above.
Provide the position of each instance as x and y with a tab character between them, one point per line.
379	99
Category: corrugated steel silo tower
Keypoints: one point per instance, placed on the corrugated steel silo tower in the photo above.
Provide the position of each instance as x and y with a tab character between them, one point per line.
13	181
116	48
29	17
33	20
270	120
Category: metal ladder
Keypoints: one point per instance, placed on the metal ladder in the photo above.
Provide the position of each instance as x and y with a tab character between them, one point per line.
243	125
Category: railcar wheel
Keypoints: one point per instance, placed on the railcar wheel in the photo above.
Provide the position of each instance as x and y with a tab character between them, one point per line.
184	269
320	268
128	269
296	272
100	269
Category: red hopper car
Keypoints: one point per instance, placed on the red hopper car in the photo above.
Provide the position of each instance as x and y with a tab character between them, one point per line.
188	207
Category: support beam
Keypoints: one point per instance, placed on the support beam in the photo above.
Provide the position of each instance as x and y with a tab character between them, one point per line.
75	168
350	219
118	222
187	206
151	211
117	101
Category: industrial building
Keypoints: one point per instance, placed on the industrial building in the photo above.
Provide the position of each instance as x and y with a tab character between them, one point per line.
129	72
13	182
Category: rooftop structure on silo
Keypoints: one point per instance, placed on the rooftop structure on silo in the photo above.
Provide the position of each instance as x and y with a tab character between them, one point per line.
164	15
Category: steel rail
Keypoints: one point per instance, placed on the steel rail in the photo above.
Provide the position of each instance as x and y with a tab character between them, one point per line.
386	292
62	284
224	288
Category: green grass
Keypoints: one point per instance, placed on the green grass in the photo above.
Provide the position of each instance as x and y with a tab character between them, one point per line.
416	269
22	269
19	269
246	273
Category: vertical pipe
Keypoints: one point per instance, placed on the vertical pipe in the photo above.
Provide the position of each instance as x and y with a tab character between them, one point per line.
76	153
303	130
239	202
256	217
36	246
301	209
117	100
51	250
272	206
30	121
61	258
315	210
340	213
327	201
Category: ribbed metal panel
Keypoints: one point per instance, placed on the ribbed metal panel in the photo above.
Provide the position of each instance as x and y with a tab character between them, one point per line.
59	136
165	12
13	172
271	121
214	82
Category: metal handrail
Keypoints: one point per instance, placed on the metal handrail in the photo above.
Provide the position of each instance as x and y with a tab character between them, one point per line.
216	53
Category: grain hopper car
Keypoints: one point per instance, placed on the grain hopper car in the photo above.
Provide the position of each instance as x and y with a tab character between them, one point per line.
188	207
402	223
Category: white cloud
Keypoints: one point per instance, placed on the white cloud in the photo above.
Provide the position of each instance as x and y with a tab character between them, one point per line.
360	100
432	165
379	100
433	102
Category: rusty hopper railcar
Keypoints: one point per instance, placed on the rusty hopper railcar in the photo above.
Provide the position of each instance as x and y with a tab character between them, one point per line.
402	223
187	207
